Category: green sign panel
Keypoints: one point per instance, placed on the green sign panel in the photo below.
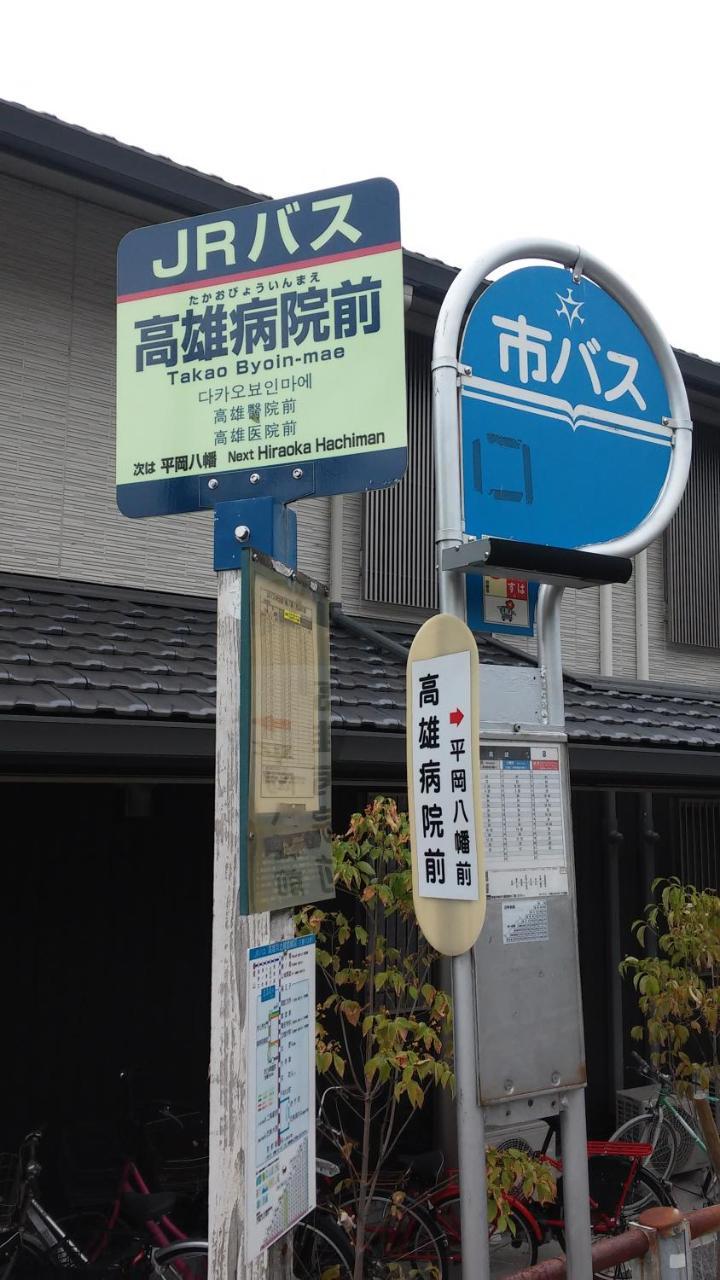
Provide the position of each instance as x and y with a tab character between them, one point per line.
262	341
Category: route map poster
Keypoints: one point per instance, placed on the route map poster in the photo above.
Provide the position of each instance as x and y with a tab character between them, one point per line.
280	1145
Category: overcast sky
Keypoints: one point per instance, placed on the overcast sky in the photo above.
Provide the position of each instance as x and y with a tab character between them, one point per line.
594	123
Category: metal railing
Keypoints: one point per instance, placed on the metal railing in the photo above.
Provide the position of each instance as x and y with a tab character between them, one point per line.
665	1243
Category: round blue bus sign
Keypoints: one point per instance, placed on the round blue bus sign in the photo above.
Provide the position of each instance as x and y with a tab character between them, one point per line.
565	432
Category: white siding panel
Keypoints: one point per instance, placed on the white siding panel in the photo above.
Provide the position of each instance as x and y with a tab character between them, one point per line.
35	307
57	411
671	663
624	653
580	630
352	582
313	516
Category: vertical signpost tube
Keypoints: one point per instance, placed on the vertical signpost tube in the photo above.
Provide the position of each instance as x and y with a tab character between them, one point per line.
451	588
661	504
573	1132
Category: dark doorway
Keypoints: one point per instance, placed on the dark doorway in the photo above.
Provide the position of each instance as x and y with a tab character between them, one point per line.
105	928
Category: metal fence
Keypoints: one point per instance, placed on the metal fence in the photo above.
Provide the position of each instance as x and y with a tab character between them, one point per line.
665	1243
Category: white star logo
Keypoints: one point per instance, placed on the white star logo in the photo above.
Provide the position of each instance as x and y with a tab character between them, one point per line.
569	308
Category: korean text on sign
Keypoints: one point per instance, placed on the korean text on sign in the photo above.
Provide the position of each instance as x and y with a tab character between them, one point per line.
443	784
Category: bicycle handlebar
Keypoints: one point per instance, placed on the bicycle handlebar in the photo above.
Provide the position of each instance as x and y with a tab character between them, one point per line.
650	1073
29	1149
641	1065
30	1169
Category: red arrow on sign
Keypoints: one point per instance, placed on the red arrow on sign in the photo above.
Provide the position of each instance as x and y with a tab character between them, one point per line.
456	716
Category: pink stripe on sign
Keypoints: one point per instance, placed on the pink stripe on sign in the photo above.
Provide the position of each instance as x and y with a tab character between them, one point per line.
259	271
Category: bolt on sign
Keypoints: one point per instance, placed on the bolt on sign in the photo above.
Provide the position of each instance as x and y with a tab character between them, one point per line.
257	339
443	751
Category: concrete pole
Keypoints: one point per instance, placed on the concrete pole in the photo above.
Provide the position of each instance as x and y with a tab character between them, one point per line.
232	935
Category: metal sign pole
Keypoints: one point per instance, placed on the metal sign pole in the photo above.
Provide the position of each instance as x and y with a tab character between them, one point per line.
510	495
470	1122
573	1131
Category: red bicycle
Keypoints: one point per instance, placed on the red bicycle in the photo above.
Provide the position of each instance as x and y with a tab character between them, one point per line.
134	1208
617	1178
34	1243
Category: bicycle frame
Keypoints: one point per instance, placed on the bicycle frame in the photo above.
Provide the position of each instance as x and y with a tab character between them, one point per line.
665	1103
163	1232
662	1102
40	1233
451	1191
543	1222
603	1223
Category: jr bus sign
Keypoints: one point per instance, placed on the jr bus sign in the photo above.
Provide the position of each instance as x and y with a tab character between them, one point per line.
264	341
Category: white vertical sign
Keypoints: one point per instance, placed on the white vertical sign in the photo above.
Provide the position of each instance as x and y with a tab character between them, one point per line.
280	1147
443	791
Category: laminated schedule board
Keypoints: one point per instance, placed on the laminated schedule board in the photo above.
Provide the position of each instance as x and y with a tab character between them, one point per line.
522	820
286	767
287	707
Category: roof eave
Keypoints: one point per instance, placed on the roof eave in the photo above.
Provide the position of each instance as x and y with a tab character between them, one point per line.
43	139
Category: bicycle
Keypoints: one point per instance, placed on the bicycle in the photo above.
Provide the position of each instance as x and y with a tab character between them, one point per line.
184	1260
401	1237
660	1125
615	1169
511	1249
321	1249
33	1242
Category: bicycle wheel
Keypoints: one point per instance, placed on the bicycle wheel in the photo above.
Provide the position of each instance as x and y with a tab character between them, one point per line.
187	1260
711	1187
403	1240
510	1250
647	1190
21	1260
88	1230
661	1136
321	1249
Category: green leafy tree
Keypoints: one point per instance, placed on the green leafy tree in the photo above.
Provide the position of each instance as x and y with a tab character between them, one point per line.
383	1027
677	981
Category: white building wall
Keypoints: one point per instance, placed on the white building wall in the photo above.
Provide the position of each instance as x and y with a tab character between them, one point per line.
58	515
674	664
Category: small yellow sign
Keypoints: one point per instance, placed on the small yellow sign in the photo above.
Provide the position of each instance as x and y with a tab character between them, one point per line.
443	770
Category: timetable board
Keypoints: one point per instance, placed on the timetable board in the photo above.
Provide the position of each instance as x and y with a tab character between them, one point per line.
522	811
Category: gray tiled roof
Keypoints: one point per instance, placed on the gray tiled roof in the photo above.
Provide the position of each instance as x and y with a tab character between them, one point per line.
85	651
